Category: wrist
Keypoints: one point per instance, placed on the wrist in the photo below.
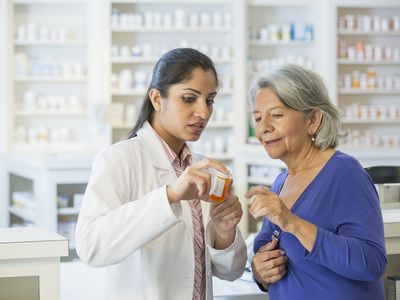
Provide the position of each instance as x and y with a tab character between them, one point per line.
226	235
293	224
171	195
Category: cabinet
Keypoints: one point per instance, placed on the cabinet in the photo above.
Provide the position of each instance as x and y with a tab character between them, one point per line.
368	78
279	33
30	257
47	80
276	32
141	31
46	191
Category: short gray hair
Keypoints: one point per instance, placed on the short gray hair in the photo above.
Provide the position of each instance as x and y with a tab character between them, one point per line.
303	90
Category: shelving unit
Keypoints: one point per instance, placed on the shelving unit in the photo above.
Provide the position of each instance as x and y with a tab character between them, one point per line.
275	32
45	192
368	78
48	72
141	31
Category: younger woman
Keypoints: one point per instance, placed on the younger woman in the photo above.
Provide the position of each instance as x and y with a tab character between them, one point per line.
146	212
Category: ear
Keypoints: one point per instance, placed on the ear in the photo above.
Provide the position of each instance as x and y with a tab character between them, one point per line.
155	99
315	119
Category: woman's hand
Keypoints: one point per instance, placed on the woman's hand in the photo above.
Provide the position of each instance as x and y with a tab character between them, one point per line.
269	264
194	182
225	216
267	204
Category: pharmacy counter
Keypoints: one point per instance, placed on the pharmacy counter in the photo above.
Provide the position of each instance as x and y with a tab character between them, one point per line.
391	222
30	257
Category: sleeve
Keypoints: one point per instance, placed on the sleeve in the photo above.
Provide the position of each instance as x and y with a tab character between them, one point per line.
356	249
229	263
110	224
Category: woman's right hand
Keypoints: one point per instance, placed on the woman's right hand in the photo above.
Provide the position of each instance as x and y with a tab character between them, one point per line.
269	264
194	182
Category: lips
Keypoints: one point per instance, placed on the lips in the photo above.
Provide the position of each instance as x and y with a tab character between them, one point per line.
197	127
271	142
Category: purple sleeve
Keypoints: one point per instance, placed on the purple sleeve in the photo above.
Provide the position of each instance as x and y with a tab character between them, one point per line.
357	247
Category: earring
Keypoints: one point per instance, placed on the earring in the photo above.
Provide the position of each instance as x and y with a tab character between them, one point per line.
313	139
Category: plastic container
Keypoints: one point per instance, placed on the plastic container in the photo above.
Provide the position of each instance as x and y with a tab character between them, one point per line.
219	185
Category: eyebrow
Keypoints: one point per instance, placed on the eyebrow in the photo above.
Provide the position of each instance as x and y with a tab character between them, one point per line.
275	107
198	92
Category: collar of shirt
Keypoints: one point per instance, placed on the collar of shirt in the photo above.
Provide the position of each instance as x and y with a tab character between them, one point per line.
183	160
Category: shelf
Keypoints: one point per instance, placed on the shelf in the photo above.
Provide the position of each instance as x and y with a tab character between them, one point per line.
49	113
66	211
49	79
28	215
49	2
128	93
153	60
260	180
122	126
279	43
378	33
369	121
368	62
170	30
48	147
368	92
168	2
215	124
50	43
279	3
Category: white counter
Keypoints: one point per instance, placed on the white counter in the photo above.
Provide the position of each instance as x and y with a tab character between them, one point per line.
31	257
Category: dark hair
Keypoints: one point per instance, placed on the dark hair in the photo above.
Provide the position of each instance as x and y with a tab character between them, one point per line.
173	67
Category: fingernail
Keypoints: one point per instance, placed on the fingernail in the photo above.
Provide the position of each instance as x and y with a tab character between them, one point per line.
282	252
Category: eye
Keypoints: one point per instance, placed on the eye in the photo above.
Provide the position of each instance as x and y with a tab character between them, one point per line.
189	99
210	102
257	119
277	116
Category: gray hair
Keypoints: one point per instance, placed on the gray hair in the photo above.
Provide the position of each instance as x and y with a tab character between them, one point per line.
303	90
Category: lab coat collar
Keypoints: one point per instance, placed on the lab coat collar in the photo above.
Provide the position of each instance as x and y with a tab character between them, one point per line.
151	142
153	145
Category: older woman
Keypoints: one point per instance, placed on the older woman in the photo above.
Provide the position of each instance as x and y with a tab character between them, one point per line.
322	235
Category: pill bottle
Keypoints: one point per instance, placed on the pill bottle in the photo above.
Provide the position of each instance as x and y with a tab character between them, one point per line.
219	185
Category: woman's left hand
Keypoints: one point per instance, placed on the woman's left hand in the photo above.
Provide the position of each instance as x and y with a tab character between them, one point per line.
268	204
226	215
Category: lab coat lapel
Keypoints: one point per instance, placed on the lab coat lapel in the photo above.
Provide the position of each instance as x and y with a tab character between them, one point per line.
160	160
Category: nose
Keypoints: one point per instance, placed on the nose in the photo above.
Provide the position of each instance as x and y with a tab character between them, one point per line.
264	126
202	110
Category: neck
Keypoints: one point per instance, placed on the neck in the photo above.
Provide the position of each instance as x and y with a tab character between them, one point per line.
306	160
175	144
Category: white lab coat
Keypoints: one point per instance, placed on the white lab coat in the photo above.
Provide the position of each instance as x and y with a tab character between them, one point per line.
127	224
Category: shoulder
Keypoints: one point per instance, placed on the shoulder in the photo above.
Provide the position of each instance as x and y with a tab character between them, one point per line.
346	165
120	152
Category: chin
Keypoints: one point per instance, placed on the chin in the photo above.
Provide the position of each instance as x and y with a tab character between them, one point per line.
273	154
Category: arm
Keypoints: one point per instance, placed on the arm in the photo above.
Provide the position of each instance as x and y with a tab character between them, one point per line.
357	248
228	263
111	226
